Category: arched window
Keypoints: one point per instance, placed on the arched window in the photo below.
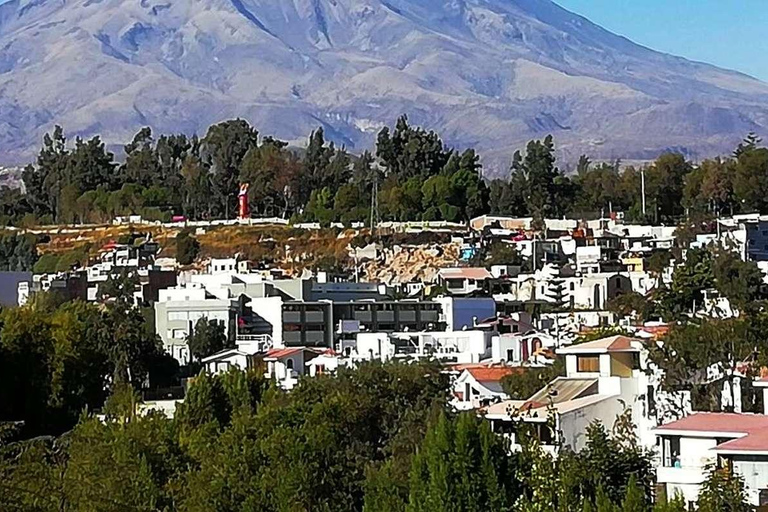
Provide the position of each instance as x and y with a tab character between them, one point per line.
289	364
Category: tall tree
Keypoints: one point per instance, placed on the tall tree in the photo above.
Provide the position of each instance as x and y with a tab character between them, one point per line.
535	173
207	338
224	147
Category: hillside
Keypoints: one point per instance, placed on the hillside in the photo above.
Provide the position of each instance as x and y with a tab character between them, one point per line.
486	73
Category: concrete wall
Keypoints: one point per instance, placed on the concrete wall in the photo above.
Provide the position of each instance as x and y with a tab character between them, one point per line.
755	473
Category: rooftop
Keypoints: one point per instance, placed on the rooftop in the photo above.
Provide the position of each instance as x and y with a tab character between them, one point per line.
749	432
477	273
493	374
604	345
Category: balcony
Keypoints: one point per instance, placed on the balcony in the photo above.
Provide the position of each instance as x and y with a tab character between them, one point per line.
253	343
693	475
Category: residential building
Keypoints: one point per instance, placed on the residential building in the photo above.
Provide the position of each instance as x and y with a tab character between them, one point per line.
689	447
478	385
287	365
604	378
463	280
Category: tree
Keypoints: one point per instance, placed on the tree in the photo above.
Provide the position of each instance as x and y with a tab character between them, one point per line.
631	304
689	281
324	166
207	338
411	152
225	145
665	180
524	384
187	248
739	281
141	165
723	491
197	201
461	465
536	174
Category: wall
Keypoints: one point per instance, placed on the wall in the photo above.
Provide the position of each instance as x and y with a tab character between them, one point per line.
621	364
755	473
574	424
271	310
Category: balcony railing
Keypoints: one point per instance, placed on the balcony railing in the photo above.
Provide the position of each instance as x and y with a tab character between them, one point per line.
253	343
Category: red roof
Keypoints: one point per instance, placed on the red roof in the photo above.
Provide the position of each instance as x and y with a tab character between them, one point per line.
719	422
750	430
477	273
610	344
278	353
494	374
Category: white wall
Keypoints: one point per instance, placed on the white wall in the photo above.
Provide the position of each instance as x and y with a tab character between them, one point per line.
574	424
374	346
271	310
755	473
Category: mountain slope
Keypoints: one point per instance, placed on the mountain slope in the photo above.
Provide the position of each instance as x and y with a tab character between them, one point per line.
488	73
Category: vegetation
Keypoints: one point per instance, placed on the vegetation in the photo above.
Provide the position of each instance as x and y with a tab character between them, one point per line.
58	359
187	248
416	177
207	338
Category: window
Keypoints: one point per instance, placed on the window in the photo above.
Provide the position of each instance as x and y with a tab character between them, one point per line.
454	284
573	286
289	364
467	392
588	364
510	354
671	452
177	315
515	328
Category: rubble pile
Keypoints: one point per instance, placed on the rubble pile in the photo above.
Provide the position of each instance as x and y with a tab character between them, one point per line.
404	264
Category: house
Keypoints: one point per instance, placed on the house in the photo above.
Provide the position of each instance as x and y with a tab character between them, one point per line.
286	365
463	280
689	446
479	385
327	362
457	347
222	361
603	379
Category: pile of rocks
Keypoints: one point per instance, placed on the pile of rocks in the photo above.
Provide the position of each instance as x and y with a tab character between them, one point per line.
406	264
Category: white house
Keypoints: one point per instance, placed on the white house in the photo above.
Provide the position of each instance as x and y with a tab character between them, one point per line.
478	385
471	346
463	281
688	447
287	365
327	362
603	378
221	362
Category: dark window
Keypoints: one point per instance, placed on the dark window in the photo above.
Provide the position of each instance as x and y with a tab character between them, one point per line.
289	364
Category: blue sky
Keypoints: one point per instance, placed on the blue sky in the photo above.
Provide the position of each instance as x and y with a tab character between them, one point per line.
727	33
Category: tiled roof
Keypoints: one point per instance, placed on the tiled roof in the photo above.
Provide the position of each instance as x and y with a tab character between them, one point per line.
476	273
719	422
494	374
278	353
750	431
609	344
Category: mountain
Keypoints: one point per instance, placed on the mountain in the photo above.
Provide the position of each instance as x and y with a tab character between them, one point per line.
484	73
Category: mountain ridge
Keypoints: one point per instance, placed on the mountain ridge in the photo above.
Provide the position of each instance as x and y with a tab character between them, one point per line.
484	73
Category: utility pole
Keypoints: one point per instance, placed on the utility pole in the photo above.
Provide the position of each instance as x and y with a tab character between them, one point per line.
642	184
374	205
